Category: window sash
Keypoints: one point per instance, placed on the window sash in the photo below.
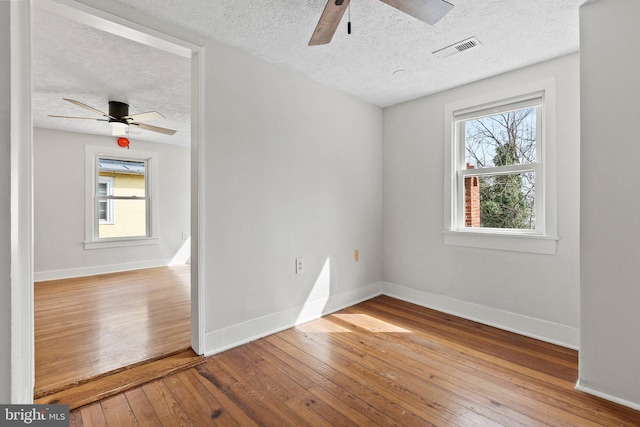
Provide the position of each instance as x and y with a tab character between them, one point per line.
502	170
122	197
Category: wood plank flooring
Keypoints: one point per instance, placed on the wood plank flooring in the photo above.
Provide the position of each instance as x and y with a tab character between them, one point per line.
112	383
382	362
89	326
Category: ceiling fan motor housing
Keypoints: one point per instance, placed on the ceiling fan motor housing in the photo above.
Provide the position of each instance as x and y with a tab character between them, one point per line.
118	110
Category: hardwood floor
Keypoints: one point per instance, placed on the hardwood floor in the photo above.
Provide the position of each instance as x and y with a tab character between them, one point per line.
382	362
132	376
89	326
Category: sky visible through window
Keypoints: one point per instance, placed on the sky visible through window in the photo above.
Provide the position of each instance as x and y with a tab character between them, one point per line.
484	135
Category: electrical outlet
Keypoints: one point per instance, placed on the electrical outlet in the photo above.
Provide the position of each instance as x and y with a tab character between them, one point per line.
356	255
185	235
299	265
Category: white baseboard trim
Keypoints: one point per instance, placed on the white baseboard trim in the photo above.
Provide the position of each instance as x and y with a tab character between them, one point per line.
606	396
41	276
543	330
233	336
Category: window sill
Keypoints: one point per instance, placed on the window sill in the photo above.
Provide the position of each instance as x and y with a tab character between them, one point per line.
120	243
502	241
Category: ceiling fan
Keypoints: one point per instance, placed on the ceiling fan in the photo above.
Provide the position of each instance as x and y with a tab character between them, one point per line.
429	11
120	119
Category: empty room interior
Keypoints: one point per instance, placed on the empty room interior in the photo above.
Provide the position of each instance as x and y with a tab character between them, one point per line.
363	212
117	268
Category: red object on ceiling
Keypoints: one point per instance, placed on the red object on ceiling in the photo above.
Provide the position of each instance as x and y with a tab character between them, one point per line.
123	142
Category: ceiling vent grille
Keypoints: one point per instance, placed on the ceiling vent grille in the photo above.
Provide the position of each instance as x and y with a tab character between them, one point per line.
458	47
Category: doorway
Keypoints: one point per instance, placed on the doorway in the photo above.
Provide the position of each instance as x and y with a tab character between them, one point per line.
159	36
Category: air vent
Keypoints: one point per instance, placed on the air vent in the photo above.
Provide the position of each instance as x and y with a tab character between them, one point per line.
457	47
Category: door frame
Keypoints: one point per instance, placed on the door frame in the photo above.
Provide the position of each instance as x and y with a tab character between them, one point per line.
125	22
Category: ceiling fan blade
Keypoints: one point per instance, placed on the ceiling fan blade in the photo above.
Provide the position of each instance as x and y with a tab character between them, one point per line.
429	11
145	117
154	128
328	22
83	118
83	105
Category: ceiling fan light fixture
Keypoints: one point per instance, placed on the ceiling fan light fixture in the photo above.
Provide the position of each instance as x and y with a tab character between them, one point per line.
118	125
118	128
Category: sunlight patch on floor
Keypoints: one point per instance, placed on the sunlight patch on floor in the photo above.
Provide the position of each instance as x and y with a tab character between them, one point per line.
370	323
324	326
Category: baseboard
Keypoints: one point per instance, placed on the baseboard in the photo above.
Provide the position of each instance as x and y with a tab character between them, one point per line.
585	389
70	273
554	333
233	336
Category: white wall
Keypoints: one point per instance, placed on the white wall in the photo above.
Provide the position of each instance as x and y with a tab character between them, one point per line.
610	230
5	205
537	295
59	207
292	169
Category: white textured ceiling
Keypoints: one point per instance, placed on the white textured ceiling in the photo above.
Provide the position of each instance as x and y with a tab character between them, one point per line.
72	60
93	67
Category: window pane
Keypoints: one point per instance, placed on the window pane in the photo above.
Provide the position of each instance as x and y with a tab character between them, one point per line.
129	219
102	210
500	201
501	139
129	176
102	189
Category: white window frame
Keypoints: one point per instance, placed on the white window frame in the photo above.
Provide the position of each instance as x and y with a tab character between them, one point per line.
544	238
92	239
109	180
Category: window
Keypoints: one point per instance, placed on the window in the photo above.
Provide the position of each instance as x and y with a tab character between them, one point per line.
105	207
497	177
500	180
122	211
121	197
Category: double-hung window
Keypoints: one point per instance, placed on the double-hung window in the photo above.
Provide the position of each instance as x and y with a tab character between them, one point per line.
500	190
122	208
497	171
